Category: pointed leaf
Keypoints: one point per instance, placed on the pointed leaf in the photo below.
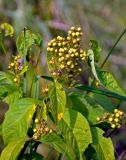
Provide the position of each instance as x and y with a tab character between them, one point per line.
86	106
6	77
12	150
6	89
18	119
104	101
58	100
110	82
79	127
103	146
26	40
11	98
57	142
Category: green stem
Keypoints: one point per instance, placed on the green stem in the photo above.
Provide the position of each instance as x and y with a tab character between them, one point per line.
36	88
113	48
25	63
24	81
34	73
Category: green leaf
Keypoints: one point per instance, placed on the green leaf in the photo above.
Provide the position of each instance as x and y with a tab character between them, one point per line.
42	112
107	79
96	49
25	40
23	70
6	89
91	61
104	101
103	146
2	76
36	87
101	92
1	129
18	119
86	106
37	40
78	126
11	98
58	143
8	29
58	100
6	77
12	150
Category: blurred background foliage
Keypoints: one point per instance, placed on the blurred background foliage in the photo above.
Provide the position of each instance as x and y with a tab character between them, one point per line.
103	20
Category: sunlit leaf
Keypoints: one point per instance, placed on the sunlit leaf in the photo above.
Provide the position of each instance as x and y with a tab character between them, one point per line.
108	80
8	29
18	119
25	40
58	100
75	126
6	77
102	145
58	143
11	98
12	150
104	101
23	70
6	89
86	106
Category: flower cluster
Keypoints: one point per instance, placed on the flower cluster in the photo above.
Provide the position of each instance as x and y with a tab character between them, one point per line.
40	129
114	119
65	56
16	67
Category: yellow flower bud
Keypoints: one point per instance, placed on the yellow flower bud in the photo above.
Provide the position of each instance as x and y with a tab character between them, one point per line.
36	120
68	38
79	29
116	120
110	119
77	33
115	110
76	54
62	66
113	125
117	115
34	130
12	64
69	62
72	28
15	79
98	119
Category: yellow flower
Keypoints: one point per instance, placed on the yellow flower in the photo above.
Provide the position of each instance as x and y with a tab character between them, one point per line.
60	116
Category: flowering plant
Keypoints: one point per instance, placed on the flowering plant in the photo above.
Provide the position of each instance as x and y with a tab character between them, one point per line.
69	118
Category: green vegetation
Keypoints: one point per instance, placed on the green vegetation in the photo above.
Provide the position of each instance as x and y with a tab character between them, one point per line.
67	117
